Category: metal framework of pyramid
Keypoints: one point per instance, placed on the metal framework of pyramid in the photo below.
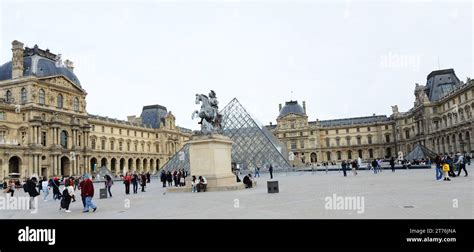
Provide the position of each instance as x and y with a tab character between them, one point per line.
420	152
253	144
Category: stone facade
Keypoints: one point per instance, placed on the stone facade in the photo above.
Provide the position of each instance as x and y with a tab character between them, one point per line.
45	128
443	124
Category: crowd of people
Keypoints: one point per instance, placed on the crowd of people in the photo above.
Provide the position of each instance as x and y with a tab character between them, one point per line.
448	164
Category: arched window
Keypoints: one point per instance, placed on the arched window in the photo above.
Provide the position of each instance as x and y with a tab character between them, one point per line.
360	153
9	96
338	155
349	154
64	139
23	95
371	153
76	104
328	154
60	101
41	97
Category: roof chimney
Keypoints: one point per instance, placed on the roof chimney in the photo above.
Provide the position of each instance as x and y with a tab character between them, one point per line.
279	108
304	107
17	59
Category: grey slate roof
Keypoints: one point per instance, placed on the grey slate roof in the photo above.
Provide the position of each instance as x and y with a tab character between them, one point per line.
352	121
441	82
291	107
44	67
153	115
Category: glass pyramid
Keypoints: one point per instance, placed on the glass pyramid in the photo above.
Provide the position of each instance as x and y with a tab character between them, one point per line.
254	145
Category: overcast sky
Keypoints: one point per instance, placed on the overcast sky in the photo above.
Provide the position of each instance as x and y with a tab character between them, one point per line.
345	58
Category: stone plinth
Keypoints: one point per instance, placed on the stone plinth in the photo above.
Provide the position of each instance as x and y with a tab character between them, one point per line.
210	156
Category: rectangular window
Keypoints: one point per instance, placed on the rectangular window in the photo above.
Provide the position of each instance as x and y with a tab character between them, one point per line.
2	136
43	137
347	130
111	145
337	131
368	128
386	127
136	146
327	132
359	141
103	129
302	144
327	142
24	117
128	132
293	145
369	140
135	133
120	146
358	130
112	130
387	138
2	115
128	146
93	144
142	134
312	132
93	127
103	144
120	131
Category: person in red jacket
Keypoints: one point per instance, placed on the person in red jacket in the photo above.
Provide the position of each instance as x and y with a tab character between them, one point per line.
88	192
126	181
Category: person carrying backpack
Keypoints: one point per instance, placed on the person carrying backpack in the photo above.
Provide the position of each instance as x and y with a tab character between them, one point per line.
67	195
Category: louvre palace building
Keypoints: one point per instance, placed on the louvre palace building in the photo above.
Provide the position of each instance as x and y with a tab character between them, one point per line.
440	119
45	129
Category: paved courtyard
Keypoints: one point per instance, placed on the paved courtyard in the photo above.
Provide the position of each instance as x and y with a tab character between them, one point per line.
404	194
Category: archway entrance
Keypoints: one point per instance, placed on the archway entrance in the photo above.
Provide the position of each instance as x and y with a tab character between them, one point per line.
152	164
145	164
130	164
14	165
65	167
93	164
113	165
103	162
122	164
137	165
157	164
314	158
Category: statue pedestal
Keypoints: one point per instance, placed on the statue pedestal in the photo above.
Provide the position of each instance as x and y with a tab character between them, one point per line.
210	157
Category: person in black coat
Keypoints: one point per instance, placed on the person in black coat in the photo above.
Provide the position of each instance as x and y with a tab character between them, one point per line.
148	177
135	183
344	166
392	164
169	178
30	188
143	180
163	177
247	181
271	171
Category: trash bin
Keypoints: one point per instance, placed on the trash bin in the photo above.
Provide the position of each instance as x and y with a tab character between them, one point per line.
272	186
103	193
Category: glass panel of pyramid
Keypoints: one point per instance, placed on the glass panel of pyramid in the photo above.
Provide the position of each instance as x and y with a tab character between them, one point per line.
253	144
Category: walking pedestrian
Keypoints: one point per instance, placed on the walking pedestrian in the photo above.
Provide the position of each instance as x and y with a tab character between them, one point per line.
169	178
67	195
257	172
30	188
461	164
126	181
344	165
194	184
135	182
81	187
354	167
392	164
163	177
374	164
143	181
148	177
45	187
55	185
108	184
270	169
438	164
88	190
446	169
